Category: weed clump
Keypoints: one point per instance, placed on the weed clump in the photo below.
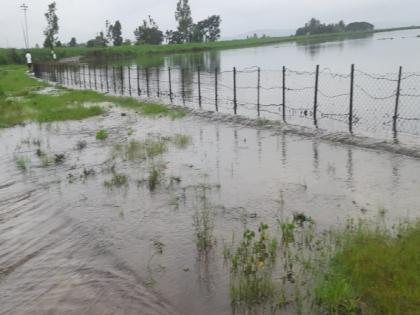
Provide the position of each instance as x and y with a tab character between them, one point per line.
251	265
102	135
181	141
155	175
203	221
22	164
117	180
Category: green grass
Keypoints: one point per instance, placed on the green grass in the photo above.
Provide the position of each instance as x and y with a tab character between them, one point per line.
22	163
13	56
102	135
375	272
181	141
21	101
117	180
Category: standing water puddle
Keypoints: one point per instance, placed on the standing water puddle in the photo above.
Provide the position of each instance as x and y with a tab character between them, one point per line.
108	228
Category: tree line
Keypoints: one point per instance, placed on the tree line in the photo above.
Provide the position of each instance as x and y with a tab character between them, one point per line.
315	26
148	32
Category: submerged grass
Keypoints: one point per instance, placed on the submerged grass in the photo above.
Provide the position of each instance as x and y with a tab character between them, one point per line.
20	101
117	180
252	264
203	222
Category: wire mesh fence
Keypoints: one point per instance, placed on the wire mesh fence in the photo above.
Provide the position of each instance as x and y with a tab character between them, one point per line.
355	101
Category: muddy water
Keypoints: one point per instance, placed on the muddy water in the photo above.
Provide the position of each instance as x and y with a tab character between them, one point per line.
69	245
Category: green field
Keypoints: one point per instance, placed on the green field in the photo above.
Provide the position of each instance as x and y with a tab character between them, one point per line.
23	99
16	56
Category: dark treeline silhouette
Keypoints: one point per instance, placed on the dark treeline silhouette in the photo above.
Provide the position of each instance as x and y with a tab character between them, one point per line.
315	26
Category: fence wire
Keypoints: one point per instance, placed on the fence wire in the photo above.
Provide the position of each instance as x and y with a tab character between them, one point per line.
322	98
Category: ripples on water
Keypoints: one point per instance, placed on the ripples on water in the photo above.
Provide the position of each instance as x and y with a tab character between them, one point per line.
76	247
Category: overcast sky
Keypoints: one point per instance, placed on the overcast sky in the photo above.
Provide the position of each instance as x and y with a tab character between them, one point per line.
84	18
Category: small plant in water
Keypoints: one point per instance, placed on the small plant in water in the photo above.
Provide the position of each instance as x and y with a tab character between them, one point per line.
154	177
102	135
181	141
117	180
251	265
203	221
22	163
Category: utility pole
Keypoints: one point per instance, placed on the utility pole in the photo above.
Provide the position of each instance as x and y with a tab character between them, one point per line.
25	8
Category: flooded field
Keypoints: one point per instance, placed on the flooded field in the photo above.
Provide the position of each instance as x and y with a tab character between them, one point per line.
107	215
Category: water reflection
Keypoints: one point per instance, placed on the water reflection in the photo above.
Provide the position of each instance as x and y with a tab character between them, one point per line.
315	47
205	61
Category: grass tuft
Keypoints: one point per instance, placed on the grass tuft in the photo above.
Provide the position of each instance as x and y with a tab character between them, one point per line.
102	135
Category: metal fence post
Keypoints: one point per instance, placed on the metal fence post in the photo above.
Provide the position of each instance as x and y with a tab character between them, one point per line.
183	86
170	84
122	79
101	76
80	77
84	77
138	80
129	79
147	82
94	77
235	101
158	81
107	78
284	94
90	79
216	95
397	102
351	99
113	80
316	96
199	86
258	91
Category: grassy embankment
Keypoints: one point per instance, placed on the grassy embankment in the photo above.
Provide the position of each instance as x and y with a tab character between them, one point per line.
21	101
14	56
374	272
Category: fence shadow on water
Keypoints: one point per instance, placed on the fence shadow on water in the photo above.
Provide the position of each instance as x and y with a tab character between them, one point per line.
355	102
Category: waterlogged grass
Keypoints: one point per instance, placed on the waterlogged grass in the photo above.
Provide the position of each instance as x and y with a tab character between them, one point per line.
102	135
203	222
362	268
251	265
374	272
147	109
181	141
117	181
21	101
140	150
22	163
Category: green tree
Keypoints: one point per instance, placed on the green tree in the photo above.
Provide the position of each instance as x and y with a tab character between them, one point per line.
117	34
108	30
184	19
173	37
207	30
52	28
148	33
99	41
72	42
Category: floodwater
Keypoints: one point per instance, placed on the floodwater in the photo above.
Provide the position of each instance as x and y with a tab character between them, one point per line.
69	245
207	80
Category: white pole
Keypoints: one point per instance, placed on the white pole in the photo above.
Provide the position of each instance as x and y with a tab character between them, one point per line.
25	9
